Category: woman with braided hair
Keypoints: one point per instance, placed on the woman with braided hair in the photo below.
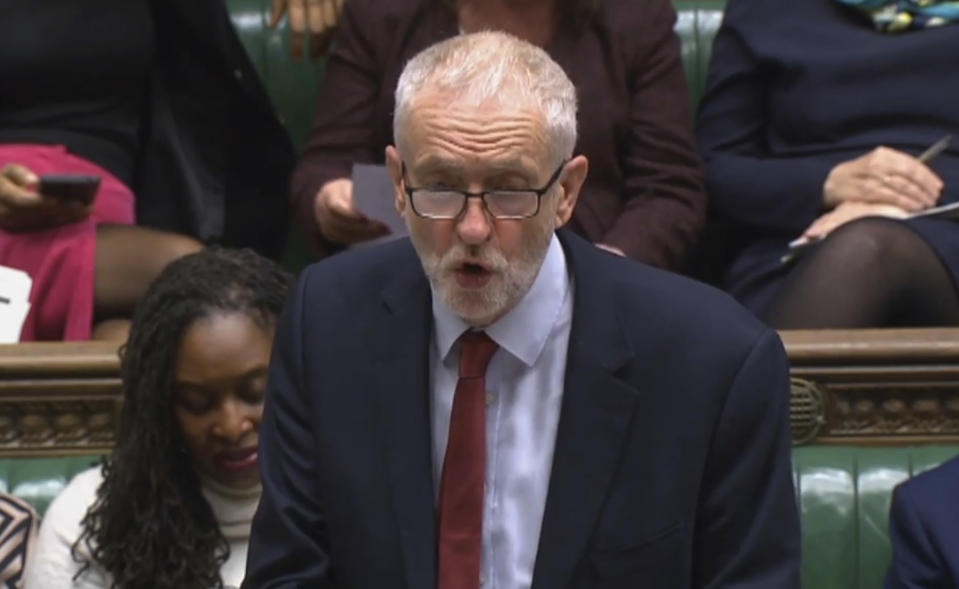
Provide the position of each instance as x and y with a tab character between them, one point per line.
171	507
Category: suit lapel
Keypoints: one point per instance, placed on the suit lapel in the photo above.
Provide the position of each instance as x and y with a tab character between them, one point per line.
594	424
402	380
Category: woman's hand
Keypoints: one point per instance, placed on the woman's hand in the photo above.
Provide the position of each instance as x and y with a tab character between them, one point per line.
24	209
338	220
319	16
849	211
883	176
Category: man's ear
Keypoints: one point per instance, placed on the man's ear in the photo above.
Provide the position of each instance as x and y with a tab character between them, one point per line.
571	183
395	167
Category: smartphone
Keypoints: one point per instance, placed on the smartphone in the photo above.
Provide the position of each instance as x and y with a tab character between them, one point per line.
76	187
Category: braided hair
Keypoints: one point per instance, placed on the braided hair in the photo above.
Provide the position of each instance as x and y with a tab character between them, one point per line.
150	525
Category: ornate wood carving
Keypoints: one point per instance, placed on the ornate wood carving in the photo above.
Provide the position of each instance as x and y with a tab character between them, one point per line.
58	399
858	387
880	386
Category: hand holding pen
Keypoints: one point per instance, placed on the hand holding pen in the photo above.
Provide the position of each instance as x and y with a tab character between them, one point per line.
884	182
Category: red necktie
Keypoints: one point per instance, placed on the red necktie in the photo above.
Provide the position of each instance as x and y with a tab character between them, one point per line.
464	469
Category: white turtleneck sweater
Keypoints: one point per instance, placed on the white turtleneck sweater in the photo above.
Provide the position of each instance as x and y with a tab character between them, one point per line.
52	566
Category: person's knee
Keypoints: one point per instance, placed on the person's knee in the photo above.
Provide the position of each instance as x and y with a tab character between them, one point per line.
176	246
865	243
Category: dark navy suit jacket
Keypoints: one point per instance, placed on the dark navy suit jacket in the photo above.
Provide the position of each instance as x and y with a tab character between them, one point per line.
924	530
672	459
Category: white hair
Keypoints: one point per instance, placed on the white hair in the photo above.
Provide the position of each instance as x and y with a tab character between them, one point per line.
482	66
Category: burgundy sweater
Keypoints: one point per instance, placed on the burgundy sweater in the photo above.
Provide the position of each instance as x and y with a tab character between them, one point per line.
644	193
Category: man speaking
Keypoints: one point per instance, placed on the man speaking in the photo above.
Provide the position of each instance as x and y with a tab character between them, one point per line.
494	403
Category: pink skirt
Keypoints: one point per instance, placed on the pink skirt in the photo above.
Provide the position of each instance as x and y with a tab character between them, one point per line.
61	260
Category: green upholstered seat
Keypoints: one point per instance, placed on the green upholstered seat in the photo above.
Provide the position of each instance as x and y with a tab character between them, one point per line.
843	494
38	480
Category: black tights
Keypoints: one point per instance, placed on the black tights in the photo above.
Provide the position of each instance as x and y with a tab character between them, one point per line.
869	273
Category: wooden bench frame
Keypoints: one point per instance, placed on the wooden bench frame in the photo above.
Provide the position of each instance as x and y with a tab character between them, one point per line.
849	387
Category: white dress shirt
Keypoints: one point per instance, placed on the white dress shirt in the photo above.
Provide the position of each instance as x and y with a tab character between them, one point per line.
524	383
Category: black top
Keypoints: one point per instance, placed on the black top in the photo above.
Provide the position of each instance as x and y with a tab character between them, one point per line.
75	73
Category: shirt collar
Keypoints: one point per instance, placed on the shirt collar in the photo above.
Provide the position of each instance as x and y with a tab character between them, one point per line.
524	331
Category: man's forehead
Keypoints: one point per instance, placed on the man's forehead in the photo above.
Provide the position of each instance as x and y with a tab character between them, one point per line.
430	160
459	104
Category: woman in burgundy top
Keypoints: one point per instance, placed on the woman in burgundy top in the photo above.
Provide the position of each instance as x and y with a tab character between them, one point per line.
644	196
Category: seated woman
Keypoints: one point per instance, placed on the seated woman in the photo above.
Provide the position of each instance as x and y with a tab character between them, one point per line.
644	195
159	101
811	126
171	507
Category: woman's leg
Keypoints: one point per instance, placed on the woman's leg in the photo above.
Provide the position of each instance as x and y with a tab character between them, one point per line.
869	273
128	259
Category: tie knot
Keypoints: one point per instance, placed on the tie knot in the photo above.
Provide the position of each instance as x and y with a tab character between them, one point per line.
476	350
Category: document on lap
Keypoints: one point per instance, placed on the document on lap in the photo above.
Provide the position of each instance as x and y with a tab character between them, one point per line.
374	196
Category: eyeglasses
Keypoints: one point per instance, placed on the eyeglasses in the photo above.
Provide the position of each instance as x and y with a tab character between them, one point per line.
447	203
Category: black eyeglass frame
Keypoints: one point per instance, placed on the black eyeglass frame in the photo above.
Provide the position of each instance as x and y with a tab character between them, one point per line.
411	190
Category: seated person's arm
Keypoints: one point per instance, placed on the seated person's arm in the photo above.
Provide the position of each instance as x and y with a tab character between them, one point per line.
288	544
744	182
52	563
916	561
747	529
665	203
754	187
341	135
318	17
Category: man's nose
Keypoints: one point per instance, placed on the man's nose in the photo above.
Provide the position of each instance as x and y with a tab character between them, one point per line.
473	226
233	422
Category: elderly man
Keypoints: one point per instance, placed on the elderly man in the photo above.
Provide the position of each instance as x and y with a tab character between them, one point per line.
497	404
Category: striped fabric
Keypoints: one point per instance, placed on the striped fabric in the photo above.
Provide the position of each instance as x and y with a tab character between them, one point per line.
894	16
18	529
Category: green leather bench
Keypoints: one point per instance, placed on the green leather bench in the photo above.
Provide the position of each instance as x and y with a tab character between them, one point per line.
843	491
843	494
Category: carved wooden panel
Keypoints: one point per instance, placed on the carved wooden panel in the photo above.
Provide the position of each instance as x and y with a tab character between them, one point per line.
58	399
879	386
858	387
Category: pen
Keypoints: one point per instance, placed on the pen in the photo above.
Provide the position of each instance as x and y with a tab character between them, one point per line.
935	149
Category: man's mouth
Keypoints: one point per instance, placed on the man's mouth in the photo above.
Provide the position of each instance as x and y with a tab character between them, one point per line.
472	274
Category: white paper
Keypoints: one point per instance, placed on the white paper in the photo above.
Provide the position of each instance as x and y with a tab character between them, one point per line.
14	303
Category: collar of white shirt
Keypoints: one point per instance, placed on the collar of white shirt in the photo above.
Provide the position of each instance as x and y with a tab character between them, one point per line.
524	330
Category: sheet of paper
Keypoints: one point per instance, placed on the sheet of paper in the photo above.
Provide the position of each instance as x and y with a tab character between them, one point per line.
374	196
949	211
15	288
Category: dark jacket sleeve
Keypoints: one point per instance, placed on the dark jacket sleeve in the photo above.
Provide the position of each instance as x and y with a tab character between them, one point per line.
342	131
916	560
665	201
747	528
746	183
289	548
